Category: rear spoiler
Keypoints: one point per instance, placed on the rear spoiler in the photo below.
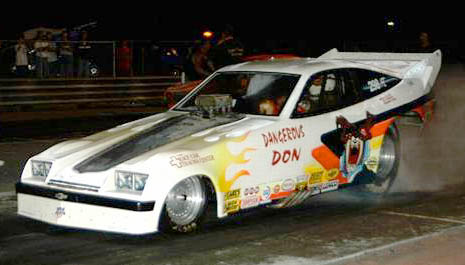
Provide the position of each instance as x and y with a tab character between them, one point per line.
423	66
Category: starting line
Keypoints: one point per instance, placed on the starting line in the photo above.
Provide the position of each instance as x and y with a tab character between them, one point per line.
447	220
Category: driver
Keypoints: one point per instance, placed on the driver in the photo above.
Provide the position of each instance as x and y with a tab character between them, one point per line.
271	106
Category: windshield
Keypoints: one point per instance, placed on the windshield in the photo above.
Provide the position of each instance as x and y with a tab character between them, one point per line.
243	92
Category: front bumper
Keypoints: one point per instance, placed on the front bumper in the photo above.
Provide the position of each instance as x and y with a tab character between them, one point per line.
85	211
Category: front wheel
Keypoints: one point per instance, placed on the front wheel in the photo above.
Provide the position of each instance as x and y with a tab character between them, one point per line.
186	204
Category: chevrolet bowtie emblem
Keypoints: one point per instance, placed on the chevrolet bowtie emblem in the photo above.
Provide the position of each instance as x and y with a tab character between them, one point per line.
61	196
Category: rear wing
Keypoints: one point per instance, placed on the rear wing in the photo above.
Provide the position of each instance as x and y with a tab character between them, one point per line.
423	66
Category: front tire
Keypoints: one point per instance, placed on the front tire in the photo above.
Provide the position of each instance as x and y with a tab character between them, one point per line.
186	204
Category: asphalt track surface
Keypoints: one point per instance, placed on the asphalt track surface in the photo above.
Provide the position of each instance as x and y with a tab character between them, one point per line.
421	222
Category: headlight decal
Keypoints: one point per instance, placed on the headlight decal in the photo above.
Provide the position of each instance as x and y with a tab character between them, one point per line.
125	180
139	181
40	168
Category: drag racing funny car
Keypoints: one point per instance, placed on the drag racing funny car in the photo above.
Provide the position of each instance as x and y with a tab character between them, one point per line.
257	134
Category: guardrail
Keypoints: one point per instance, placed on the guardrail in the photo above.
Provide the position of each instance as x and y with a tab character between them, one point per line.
30	99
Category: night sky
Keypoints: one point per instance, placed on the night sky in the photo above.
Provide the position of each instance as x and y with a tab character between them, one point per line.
257	28
137	24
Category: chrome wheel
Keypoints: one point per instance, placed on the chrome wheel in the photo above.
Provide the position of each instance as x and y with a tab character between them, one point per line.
387	157
388	163
186	201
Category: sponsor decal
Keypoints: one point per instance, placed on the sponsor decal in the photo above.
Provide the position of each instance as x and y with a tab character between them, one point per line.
231	195
288	185
232	201
61	196
277	188
387	99
250	201
316	177
332	174
283	135
251	191
329	186
265	196
301	183
185	160
60	212
278	191
285	156
372	164
314	189
232	206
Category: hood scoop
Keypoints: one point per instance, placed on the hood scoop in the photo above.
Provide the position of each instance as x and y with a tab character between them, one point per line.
160	134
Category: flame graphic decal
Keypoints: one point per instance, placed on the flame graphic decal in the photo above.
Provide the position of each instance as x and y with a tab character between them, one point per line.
226	159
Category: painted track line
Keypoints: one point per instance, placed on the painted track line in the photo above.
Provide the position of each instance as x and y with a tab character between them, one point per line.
447	220
389	246
7	194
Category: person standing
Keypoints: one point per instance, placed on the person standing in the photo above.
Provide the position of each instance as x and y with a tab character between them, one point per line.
228	49
41	46
21	57
124	59
52	57
424	42
83	51
66	56
202	65
198	66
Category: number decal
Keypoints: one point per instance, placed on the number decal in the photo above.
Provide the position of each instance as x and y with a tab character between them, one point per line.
377	84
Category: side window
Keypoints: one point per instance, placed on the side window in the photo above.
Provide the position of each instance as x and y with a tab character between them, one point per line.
373	83
351	93
324	92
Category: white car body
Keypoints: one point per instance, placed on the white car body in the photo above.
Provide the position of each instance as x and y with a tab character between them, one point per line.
250	161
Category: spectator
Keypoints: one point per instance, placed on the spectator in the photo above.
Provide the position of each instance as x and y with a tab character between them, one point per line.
66	56
228	49
198	65
202	65
124	59
52	57
41	47
423	43
21	57
83	51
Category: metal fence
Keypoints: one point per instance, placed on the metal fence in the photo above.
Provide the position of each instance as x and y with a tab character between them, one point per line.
33	99
107	59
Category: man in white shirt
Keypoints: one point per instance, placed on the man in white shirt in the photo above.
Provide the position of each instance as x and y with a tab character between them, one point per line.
21	57
41	46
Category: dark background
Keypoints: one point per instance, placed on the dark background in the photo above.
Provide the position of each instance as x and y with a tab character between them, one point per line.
304	32
250	26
